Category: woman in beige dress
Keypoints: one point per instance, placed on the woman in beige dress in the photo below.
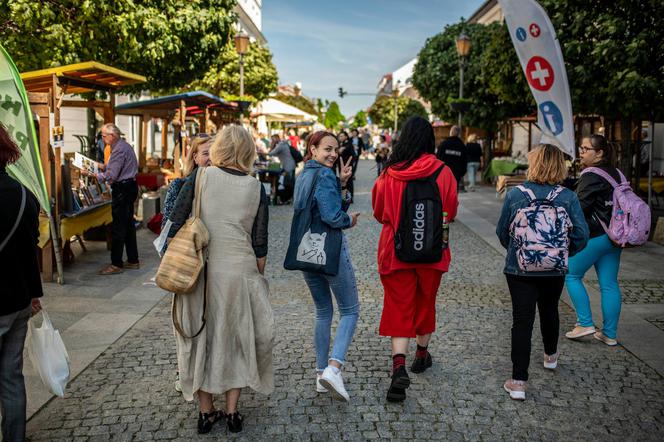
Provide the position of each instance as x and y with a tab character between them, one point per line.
235	348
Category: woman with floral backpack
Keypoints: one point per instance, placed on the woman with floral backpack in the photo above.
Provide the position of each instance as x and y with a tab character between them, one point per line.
540	225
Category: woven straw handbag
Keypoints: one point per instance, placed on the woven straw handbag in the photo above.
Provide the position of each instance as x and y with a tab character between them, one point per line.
184	259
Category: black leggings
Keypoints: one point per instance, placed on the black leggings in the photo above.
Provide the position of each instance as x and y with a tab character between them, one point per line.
526	292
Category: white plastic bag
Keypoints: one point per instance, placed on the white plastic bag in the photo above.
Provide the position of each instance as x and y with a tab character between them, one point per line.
49	355
162	238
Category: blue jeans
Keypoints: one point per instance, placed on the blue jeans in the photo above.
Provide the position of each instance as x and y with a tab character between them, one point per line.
472	173
601	253
13	329
345	291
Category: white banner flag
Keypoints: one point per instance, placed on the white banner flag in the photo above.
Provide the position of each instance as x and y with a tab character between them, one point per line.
542	61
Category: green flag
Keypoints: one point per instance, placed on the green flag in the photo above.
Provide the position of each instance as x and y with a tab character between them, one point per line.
16	116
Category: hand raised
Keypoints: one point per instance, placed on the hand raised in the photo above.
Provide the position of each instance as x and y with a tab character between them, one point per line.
346	170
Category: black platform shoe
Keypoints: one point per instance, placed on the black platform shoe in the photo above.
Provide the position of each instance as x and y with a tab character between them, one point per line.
234	422
421	364
400	381
207	420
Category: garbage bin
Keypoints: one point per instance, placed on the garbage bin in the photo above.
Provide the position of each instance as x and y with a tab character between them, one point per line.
149	206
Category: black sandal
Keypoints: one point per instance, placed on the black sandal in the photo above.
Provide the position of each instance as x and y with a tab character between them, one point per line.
207	420
234	422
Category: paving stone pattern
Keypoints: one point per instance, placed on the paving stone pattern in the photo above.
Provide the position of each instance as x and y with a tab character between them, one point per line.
640	291
598	393
657	322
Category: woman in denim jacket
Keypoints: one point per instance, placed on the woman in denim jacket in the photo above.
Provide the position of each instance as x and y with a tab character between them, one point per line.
543	288
331	200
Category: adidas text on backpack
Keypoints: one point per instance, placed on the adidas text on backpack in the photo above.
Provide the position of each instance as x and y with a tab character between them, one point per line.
419	236
630	217
541	233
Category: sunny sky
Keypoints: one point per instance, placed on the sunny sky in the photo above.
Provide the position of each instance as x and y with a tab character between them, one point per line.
352	44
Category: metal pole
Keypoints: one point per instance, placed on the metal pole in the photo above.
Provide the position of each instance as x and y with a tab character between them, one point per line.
460	87
241	75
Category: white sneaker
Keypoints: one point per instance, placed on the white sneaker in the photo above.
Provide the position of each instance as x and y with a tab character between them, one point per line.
551	361
334	384
605	339
580	331
319	387
516	389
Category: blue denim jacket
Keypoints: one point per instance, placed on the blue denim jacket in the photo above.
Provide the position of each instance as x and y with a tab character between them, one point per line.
516	200
328	204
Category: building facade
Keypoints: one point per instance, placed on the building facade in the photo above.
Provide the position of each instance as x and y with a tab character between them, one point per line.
250	19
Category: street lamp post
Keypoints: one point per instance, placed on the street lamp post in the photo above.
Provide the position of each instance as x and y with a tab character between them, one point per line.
241	45
463	49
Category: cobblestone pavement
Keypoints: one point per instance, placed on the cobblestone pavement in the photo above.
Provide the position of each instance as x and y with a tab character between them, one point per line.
598	393
640	291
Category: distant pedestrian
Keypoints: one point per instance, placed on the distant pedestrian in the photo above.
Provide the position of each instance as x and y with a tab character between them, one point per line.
327	197
541	223
366	140
409	306
474	152
357	143
21	287
596	197
282	150
235	348
347	153
453	152
120	173
382	154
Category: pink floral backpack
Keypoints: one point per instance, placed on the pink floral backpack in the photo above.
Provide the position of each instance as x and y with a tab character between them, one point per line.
630	217
541	233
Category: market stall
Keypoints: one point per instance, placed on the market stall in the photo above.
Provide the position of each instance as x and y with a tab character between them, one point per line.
48	91
205	109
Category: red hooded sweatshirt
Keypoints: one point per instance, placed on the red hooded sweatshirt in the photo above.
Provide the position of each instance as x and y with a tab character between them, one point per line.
386	201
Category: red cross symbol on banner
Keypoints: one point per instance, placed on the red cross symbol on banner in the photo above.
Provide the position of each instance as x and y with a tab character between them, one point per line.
534	30
539	73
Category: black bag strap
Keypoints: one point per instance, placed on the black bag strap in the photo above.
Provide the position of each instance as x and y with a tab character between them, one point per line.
18	220
176	321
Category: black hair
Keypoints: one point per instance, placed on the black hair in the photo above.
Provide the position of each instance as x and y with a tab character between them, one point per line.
599	142
416	139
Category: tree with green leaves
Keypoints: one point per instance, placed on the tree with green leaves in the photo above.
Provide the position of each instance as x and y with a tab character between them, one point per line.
223	75
382	111
171	42
333	116
436	76
360	119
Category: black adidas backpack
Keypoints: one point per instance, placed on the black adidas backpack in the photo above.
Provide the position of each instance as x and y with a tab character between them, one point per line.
419	237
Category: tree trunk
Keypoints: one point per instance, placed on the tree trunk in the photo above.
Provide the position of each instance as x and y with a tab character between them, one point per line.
626	151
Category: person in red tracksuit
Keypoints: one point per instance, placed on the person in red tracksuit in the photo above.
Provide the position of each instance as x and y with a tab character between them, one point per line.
409	307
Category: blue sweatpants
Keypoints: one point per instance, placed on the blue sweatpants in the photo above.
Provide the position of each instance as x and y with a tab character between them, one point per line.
602	254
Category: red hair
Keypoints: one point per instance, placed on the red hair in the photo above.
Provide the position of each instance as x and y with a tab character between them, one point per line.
9	151
314	140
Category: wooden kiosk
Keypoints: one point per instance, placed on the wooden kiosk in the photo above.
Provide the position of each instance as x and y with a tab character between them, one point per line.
47	90
200	106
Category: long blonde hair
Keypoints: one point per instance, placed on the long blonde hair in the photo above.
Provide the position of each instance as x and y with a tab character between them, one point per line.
546	165
196	144
233	147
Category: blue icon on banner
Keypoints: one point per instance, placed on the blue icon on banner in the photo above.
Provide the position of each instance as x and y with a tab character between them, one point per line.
521	34
552	117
